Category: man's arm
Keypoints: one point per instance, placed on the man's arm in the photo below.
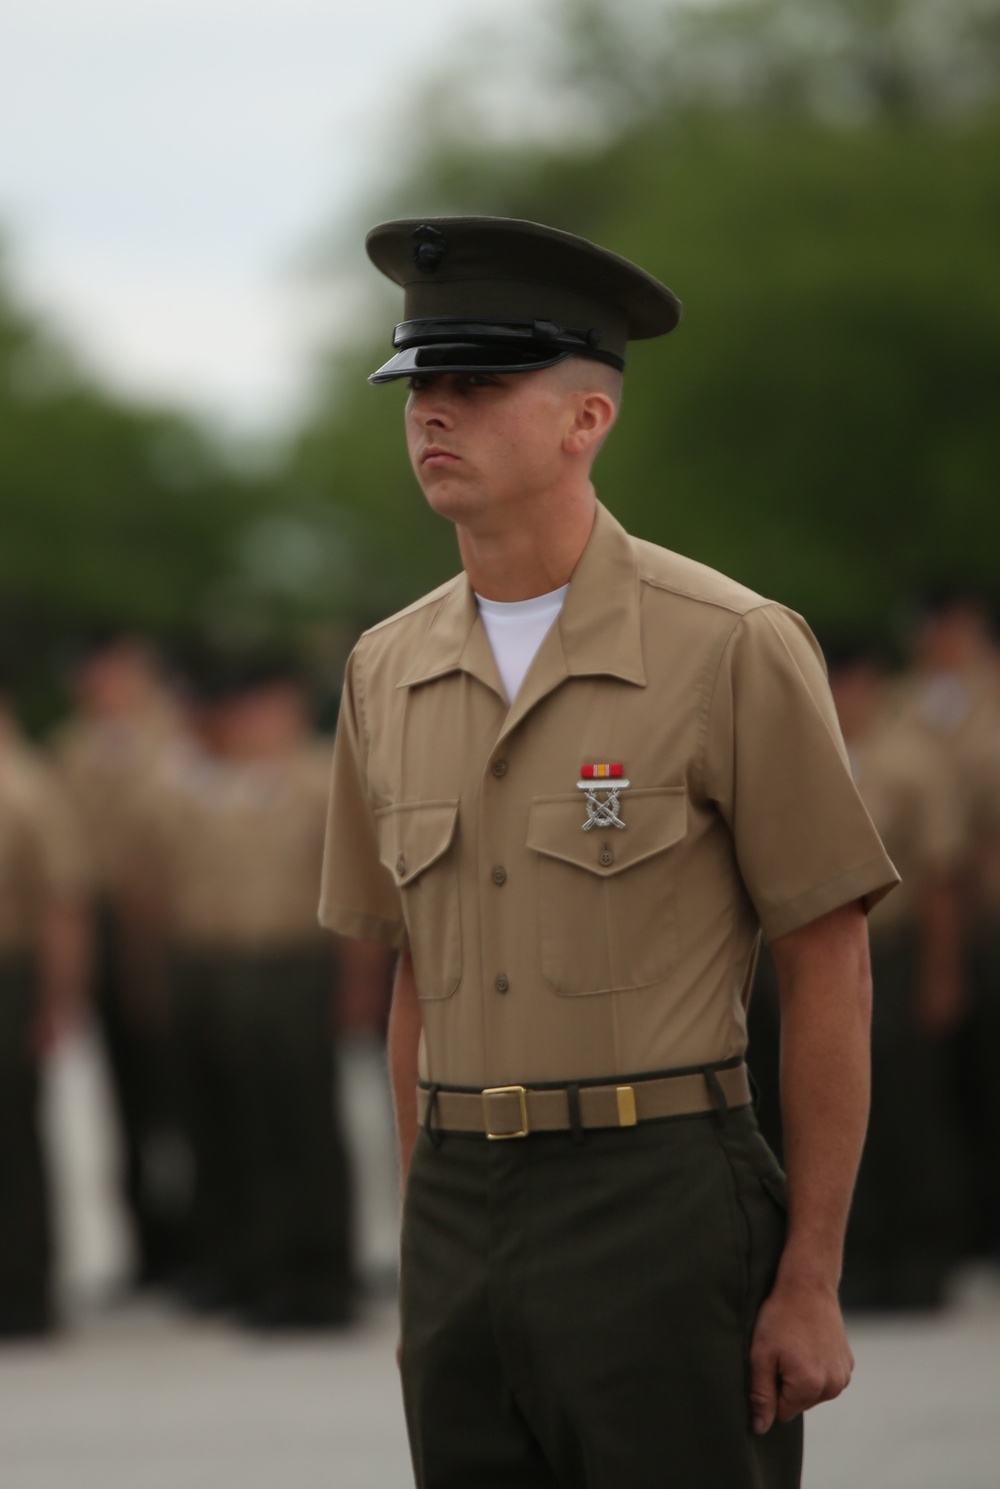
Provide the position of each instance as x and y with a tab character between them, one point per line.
363	993
940	991
64	945
404	1043
144	915
800	1355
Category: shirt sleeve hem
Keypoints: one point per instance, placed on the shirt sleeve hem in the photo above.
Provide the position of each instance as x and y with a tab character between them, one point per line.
869	882
364	927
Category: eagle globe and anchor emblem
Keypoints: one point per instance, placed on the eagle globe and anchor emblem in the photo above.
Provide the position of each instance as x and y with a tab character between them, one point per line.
602	784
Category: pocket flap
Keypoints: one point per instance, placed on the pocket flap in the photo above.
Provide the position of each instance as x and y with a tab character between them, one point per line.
414	835
655	818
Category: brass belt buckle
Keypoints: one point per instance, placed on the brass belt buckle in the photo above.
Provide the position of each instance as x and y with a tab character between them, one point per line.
521	1093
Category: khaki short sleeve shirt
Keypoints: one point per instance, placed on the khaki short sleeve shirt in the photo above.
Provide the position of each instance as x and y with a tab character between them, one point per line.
958	714
41	853
910	793
237	847
104	766
561	933
982	778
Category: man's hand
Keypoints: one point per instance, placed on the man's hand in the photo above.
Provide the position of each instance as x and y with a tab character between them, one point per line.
799	1355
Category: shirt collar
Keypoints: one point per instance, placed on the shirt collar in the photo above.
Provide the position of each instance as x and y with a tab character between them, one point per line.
597	633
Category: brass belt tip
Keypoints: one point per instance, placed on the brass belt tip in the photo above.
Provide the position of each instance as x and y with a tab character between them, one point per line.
626	1106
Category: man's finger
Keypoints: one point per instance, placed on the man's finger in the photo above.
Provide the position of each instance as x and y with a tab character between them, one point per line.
798	1395
808	1390
763	1391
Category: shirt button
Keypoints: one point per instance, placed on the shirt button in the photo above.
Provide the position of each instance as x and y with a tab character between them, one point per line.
607	858
401	865
499	769
502	983
499	874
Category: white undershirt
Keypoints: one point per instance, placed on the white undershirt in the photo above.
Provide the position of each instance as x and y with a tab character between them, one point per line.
516	629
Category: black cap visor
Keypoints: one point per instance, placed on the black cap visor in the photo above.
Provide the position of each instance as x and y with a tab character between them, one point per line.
468	356
433	347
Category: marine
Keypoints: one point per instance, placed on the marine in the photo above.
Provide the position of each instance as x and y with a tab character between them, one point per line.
572	786
228	860
950	697
902	1237
124	720
44	948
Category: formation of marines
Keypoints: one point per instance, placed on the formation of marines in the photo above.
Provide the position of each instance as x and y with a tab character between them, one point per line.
159	874
924	747
159	864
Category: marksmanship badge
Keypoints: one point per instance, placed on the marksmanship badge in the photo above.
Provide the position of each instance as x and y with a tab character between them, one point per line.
603	812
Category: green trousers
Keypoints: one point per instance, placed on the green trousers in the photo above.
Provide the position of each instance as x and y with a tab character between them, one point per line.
905	1228
270	1228
143	1078
25	1242
581	1313
978	1091
908	1213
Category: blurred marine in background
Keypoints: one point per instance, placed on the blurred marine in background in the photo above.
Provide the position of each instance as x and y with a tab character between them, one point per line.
124	719
43	968
904	1234
226	864
950	698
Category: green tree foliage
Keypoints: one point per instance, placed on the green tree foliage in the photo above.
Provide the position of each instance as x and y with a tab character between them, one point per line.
843	60
111	515
817	180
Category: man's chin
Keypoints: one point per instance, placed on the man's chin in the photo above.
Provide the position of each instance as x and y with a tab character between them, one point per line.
447	494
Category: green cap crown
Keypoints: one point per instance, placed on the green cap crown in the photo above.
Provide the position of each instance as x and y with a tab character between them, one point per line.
496	294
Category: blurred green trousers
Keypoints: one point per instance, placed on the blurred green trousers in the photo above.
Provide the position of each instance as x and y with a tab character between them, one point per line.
581	1314
271	1207
25	1244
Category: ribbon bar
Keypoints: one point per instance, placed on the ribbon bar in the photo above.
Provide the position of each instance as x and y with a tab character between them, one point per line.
611	772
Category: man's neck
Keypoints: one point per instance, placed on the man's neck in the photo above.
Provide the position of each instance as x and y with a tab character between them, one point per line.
534	555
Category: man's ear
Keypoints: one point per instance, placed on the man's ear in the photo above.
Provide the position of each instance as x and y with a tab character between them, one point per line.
595	413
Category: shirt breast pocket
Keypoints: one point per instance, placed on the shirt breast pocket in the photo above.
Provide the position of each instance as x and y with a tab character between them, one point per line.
416	842
607	897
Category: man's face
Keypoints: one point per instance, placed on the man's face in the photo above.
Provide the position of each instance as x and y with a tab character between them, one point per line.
857	689
952	639
115	680
265	722
482	444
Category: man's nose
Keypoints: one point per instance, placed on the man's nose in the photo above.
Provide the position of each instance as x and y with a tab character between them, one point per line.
430	407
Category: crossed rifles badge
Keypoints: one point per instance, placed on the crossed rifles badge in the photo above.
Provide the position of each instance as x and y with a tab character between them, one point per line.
606	813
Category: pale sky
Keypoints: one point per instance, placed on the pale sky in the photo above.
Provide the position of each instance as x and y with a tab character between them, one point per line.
165	165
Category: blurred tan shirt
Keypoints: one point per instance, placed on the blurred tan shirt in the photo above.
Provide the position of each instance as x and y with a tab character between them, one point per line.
41	855
104	765
544	950
983	784
910	792
960	715
239	848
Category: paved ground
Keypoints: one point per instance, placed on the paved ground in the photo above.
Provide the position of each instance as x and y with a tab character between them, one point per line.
135	1397
138	1399
923	1410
